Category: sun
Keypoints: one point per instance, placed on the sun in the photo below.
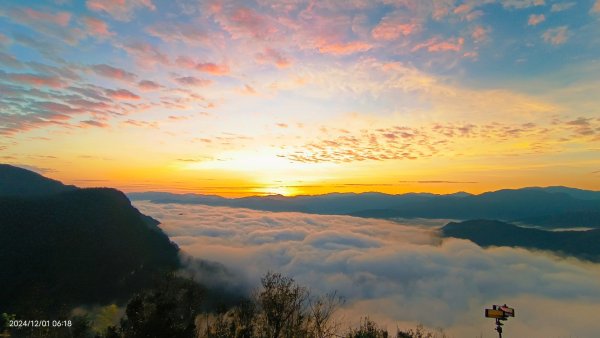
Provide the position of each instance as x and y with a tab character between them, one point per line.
277	190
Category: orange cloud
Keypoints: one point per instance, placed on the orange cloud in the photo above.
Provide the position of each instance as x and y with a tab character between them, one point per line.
596	7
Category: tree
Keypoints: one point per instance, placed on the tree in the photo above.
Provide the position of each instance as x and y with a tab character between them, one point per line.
420	332
321	310
169	310
367	329
283	305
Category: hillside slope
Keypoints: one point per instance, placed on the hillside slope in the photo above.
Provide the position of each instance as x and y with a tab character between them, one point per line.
580	244
79	246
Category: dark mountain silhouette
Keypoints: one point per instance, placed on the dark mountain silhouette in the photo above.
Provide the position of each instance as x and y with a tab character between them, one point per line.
15	181
580	244
573	192
502	204
590	219
510	205
62	247
333	203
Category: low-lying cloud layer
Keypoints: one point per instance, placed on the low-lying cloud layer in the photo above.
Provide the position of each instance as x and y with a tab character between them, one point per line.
396	274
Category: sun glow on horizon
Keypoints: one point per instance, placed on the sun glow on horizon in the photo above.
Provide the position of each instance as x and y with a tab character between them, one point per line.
307	98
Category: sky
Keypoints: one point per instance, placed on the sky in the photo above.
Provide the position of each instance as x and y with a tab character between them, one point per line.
397	274
302	97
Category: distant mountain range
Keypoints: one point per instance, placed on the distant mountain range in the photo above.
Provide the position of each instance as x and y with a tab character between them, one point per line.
61	246
549	207
485	233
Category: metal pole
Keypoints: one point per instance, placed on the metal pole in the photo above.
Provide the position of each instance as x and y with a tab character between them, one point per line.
499	328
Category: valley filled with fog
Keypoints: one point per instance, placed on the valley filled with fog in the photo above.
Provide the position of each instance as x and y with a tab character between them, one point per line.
397	274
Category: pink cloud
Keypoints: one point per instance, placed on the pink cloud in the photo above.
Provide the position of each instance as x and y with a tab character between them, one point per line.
479	34
119	9
462	9
113	73
472	55
193	81
121	94
394	26
440	9
535	19
473	15
437	45
4	39
10	60
344	48
62	111
45	22
246	22
270	55
466	11
596	7
185	62
146	54
60	18
559	7
189	33
90	105
149	85
212	68
97	27
93	123
206	67
519	4
37	80
143	124
248	90
556	36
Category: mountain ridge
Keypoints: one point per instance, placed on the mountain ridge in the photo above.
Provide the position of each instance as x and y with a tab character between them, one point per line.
20	182
63	246
542	205
486	233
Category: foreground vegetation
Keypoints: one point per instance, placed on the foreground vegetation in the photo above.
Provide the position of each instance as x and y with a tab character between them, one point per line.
175	308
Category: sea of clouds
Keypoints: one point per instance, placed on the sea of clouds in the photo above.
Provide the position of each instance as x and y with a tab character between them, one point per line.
397	274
